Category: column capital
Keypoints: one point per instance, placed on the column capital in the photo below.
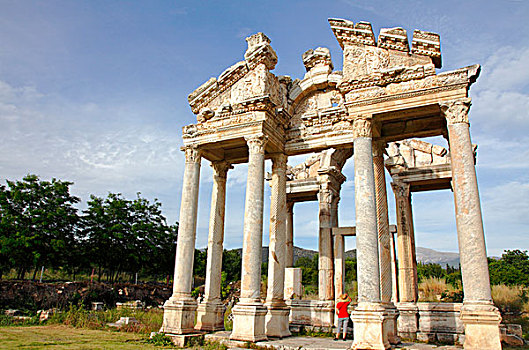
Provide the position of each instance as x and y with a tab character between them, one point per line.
279	161
401	189
363	126
256	143
379	148
192	154
456	111
221	168
290	206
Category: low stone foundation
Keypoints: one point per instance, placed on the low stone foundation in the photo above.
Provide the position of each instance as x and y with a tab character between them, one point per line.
313	313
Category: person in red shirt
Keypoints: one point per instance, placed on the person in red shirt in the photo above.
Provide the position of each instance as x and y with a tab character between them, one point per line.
343	315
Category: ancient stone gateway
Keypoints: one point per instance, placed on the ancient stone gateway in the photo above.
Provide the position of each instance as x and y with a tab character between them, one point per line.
386	93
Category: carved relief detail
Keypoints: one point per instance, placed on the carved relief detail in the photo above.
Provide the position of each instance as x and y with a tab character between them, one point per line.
221	168
401	190
192	154
279	161
362	127
456	111
256	144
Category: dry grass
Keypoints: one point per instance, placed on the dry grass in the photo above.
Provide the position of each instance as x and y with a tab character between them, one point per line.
509	299
432	289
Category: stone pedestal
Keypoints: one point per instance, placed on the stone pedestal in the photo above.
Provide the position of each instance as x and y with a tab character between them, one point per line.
179	316
210	316
481	326
369	320
293	286
408	321
390	323
276	320
249	322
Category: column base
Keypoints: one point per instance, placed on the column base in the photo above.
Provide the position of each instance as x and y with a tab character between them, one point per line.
210	316
276	320
408	321
369	332
249	322
179	315
390	323
481	322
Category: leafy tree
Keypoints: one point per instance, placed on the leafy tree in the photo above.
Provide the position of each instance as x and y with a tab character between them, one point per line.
430	270
511	269
128	236
309	269
231	265
38	224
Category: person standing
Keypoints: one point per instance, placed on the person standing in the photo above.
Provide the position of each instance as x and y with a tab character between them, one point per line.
343	315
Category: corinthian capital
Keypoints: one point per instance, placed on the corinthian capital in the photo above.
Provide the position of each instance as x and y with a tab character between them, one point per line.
379	147
362	127
456	111
256	144
279	161
192	154
401	190
221	168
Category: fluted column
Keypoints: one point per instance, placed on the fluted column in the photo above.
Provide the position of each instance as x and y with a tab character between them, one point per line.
480	316
384	242
210	313
276	322
179	310
369	316
249	313
289	246
405	244
326	196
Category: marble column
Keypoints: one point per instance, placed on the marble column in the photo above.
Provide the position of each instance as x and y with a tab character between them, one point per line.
289	246
394	278
405	244
179	309
384	242
276	321
408	322
249	313
210	313
369	316
339	265
326	196
479	315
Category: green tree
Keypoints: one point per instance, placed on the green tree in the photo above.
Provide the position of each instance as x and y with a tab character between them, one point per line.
38	224
511	269
124	236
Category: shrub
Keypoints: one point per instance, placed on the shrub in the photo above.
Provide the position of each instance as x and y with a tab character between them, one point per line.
433	289
509	299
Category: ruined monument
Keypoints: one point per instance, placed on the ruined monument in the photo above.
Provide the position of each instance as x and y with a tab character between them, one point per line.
387	93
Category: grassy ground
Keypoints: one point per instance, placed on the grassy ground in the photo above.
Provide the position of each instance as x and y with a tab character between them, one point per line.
64	337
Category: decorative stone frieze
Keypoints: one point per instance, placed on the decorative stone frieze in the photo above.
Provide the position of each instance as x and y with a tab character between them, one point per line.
427	44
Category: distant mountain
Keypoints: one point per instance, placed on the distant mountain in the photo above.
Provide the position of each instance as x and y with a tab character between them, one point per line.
430	256
424	255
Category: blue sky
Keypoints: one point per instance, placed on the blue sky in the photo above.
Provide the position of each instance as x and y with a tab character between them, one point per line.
95	92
